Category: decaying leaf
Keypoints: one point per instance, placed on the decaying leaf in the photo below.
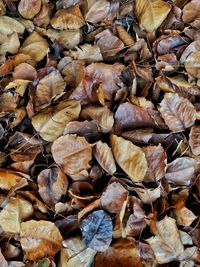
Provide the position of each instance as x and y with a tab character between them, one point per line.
75	253
9	25
50	88
70	18
191	13
181	171
72	153
192	64
104	156
96	229
40	239
10	179
183	215
52	185
151	13
35	46
130	158
51	122
28	9
178	112
194	139
166	245
114	197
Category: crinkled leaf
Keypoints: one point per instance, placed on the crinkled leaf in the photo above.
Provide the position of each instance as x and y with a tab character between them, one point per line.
194	139
96	229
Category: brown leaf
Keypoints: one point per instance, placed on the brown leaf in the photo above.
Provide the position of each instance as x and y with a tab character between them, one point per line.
50	88
43	17
24	147
3	262
70	18
178	112
192	64
24	71
129	157
101	115
194	139
148	195
191	13
72	153
113	198
40	239
10	179
109	44
151	13
181	171
52	185
104	156
88	53
28	9
35	46
183	215
122	253
166	245
156	157
51	122
130	116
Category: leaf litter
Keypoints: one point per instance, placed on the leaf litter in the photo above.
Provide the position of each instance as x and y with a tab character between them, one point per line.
99	133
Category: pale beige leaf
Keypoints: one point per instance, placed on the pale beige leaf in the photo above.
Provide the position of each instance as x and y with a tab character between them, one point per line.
76	254
29	8
70	18
194	139
49	88
35	46
11	44
104	156
14	213
101	115
183	215
181	171
151	13
40	239
87	52
177	112
192	64
9	25
67	38
51	123
166	245
130	158
72	153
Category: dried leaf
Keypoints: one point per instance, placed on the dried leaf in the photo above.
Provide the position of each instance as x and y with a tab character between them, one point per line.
50	88
192	64
178	112
96	229
72	153
40	239
104	156
191	13
181	171
16	211
28	9
10	44
52	185
70	18
122	253
156	157
151	13
9	25
101	115
166	245
98	11
129	157
183	215
75	253
25	71
35	46
51	122
88	53
148	195
194	139
10	179
113	198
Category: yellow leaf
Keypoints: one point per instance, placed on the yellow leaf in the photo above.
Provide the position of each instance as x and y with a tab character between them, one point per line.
151	13
51	123
130	158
